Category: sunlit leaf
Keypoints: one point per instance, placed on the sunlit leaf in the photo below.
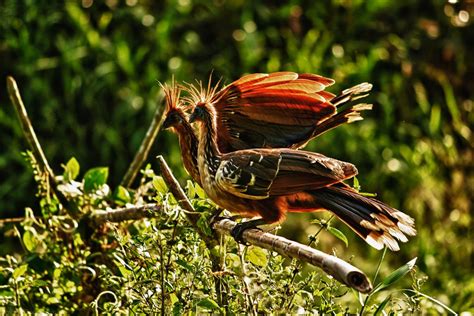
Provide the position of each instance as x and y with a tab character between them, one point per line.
208	304
395	275
159	185
338	234
19	271
95	178
257	256
71	170
122	195
30	241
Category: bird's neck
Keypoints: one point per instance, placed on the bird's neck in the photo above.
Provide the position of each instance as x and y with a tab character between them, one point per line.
208	151
188	142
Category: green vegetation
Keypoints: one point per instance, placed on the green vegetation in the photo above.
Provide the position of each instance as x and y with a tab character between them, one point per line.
88	75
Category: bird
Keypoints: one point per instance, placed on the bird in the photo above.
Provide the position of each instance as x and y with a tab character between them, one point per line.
270	182
281	109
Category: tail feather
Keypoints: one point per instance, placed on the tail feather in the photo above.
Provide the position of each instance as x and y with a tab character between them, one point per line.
379	224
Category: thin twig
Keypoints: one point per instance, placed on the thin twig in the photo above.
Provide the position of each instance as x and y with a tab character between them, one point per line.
142	153
35	146
12	220
336	267
98	217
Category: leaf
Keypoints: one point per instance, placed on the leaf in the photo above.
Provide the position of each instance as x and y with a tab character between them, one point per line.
338	234
30	241
122	195
208	304
191	193
159	185
356	184
382	305
203	224
185	265
71	170
433	300
95	178
257	256
19	271
200	191
395	276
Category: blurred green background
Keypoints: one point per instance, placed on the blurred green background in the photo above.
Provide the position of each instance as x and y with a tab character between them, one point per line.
88	72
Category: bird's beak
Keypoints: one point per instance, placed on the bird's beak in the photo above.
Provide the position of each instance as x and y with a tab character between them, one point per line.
194	116
167	123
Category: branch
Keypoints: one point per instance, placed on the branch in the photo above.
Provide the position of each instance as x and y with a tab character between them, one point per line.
35	146
98	217
336	267
144	149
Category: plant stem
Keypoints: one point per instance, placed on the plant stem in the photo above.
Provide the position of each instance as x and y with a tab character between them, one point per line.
143	151
30	135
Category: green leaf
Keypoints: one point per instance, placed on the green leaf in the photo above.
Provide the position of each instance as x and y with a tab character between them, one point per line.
257	256
95	178
185	265
395	276
203	224
208	304
159	185
191	193
356	184
122	195
71	170
200	191
382	305
30	241
338	234
19	271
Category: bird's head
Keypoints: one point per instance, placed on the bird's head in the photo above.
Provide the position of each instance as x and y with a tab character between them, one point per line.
175	114
202	99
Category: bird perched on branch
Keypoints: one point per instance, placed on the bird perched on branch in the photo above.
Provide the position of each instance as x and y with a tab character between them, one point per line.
268	183
282	109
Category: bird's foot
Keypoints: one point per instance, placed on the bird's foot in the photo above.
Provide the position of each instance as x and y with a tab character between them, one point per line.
238	231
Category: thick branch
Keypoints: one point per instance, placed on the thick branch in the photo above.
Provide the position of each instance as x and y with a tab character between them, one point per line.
336	267
144	149
35	146
98	217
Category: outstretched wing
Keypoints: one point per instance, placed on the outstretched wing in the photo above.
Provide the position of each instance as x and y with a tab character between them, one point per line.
261	173
271	110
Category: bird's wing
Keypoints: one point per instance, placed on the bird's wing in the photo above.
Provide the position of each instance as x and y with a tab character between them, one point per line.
271	110
261	173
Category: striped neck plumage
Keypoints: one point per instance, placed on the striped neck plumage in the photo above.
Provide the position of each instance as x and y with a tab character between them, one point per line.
208	136
188	142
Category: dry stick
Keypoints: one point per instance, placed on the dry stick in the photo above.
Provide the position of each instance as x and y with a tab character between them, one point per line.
145	147
99	217
336	267
35	146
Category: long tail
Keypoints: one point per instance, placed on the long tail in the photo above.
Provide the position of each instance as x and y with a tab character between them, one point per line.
379	224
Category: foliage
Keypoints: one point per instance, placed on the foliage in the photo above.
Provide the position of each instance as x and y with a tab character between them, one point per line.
161	264
88	72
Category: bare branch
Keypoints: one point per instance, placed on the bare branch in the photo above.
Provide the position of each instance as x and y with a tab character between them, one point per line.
35	146
11	220
98	217
142	153
336	267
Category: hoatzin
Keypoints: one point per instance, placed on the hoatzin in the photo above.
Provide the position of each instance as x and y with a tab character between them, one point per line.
282	109
271	182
